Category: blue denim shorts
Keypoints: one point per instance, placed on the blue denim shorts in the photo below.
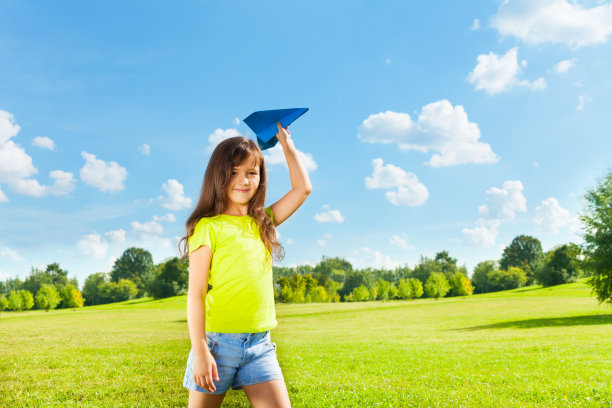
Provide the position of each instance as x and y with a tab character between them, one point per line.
242	359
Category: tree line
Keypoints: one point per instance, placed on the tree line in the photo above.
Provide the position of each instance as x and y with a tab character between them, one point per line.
523	262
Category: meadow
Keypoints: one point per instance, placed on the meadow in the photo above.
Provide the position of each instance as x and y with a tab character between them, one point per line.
529	347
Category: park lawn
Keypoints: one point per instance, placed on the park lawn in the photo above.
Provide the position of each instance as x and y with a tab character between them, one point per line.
544	347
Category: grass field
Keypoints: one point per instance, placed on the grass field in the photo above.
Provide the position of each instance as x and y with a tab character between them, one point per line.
522	348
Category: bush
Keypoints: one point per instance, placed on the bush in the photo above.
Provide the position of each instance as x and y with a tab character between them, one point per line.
513	278
436	286
15	301
360	294
71	297
460	285
47	297
27	299
317	294
560	267
3	302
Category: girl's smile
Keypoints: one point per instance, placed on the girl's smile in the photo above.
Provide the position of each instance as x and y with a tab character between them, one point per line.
242	186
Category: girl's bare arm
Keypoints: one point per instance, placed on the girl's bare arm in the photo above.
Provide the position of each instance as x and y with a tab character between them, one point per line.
300	182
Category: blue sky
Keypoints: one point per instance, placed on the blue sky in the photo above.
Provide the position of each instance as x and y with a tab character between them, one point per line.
431	127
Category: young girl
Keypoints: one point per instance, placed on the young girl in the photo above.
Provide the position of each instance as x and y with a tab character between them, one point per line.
230	302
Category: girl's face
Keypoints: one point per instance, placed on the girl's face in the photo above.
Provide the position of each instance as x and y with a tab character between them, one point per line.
243	184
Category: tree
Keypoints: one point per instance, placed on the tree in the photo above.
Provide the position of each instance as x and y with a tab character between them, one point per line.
416	288
360	294
382	289
3	303
47	297
354	279
479	276
15	301
436	286
597	221
27	299
327	265
170	279
71	297
460	285
135	264
524	252
513	278
560	267
317	294
404	289
111	292
425	268
91	290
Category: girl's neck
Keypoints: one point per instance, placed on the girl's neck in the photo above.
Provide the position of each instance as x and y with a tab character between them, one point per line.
237	211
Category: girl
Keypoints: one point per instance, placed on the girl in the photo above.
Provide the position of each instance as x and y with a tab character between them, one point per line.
230	302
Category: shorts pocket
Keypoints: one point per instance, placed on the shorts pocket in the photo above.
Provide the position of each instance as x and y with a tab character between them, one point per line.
212	342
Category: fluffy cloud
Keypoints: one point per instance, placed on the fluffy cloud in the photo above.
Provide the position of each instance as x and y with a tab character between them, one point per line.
554	21
144	149
498	73
175	196
107	177
92	246
220	135
43	142
502	205
3	197
550	216
16	165
147	228
116	235
440	127
475	24
400	242
410	191
563	66
582	100
329	215
165	218
368	257
275	155
11	254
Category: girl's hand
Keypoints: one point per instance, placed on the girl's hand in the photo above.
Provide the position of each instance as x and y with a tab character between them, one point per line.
283	134
204	370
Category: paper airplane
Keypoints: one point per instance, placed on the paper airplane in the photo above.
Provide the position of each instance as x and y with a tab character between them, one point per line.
263	123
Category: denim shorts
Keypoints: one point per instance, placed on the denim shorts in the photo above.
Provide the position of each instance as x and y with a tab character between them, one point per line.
242	359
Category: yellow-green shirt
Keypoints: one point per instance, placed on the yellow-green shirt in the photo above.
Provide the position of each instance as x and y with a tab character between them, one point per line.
241	299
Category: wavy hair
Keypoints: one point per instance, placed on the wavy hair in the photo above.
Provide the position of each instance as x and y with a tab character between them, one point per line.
228	154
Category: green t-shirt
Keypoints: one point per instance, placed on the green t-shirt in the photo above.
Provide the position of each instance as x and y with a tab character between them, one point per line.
241	299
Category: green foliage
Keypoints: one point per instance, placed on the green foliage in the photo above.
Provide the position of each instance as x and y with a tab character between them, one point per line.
111	292
11	284
317	294
514	277
331	286
416	288
360	294
437	285
3	303
524	252
135	264
354	279
171	279
382	290
480	278
15	301
425	268
47	297
91	290
27	299
460	285
327	265
597	221
71	297
560	267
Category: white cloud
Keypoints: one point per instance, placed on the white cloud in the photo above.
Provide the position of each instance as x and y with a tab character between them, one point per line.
321	242
165	218
15	163
116	235
148	228
329	215
410	192
550	216
29	187
498	73
11	254
175	196
220	135
92	246
289	241
8	127
275	155
582	100
440	127
144	149
475	24
502	205
43	142
563	66
3	197
483	234
400	242
367	257
63	183
554	21
107	177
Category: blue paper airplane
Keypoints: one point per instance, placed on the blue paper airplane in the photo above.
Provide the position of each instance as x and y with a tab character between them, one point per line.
263	123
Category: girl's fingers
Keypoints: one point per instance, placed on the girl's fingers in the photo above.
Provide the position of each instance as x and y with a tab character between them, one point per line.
215	373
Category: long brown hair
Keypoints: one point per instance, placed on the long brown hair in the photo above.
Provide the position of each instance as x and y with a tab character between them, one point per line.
228	154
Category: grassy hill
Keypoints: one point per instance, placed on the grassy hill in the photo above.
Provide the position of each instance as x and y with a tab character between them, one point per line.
544	347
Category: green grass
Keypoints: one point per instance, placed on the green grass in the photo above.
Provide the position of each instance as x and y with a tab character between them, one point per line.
529	347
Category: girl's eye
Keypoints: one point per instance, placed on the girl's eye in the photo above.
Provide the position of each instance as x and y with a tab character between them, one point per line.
252	172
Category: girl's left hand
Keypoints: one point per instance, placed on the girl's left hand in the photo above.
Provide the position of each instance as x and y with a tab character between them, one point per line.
283	134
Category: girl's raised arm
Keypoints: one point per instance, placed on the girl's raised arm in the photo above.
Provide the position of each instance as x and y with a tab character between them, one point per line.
300	183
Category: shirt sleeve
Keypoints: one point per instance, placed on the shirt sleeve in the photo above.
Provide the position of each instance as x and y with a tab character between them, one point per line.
269	211
203	234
